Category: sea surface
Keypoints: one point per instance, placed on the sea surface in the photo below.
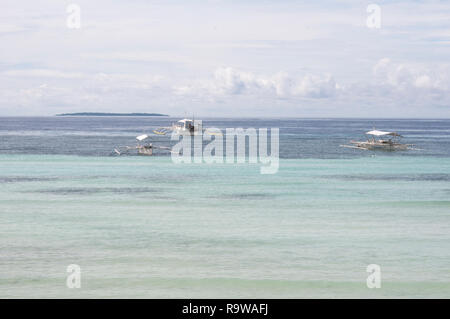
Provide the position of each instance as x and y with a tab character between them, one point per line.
146	227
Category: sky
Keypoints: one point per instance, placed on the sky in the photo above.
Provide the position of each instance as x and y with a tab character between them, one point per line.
226	58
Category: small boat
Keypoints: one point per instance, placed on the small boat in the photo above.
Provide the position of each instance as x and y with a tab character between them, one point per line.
142	149
146	149
186	127
380	140
182	127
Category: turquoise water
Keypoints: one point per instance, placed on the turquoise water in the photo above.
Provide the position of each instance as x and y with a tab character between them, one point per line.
145	227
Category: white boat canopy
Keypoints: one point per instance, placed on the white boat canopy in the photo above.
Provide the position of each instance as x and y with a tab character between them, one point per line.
382	133
141	137
184	121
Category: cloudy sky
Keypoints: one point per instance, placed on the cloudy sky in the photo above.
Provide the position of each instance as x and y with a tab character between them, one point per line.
226	58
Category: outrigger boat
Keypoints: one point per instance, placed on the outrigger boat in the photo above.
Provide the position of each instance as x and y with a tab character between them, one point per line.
142	149
186	127
381	140
182	127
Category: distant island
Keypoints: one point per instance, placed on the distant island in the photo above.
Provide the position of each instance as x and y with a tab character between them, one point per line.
110	114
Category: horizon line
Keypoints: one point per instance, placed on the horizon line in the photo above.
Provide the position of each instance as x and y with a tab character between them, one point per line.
240	117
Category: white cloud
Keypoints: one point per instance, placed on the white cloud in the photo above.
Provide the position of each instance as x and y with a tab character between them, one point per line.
413	76
43	73
230	81
316	87
113	80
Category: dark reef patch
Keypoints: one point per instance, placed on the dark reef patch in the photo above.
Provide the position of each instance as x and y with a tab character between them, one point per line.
438	177
20	179
244	196
97	190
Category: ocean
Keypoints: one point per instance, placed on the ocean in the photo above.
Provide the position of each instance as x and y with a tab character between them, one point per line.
145	227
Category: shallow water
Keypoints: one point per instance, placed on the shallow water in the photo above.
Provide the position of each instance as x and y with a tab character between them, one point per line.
146	227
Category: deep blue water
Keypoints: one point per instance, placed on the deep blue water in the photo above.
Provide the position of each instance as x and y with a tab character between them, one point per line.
299	138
